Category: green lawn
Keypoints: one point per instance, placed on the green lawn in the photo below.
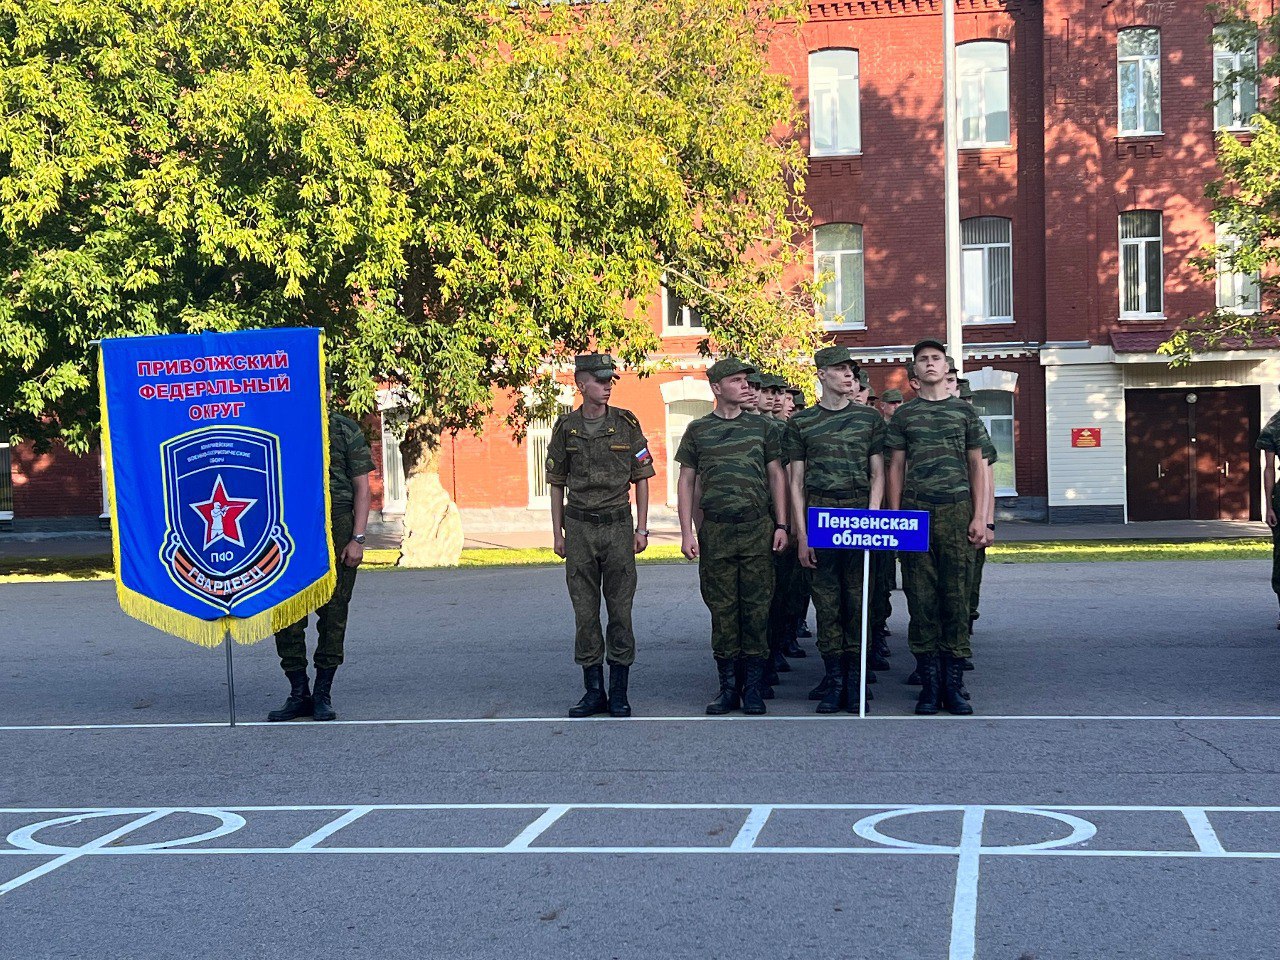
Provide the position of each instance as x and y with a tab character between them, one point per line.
50	569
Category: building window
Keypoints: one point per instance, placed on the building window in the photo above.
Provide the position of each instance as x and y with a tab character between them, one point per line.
986	269
678	318
536	441
835	123
982	70
995	407
1235	78
837	249
1138	71
680	413
1238	291
1141	265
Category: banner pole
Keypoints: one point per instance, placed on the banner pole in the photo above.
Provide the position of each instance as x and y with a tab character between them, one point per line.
231	675
862	674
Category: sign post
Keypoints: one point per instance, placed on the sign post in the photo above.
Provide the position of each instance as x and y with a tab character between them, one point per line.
840	528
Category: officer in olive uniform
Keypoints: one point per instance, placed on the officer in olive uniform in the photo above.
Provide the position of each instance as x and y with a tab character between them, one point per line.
734	457
598	453
350	463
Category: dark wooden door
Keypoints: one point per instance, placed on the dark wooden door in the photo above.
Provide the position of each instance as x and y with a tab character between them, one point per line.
1158	454
1224	426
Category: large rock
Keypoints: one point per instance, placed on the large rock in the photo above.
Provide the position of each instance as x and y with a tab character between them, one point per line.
432	521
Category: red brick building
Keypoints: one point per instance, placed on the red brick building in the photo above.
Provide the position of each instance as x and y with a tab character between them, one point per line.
1087	134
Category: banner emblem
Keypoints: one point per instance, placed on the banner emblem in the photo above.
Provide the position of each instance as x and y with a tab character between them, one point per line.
225	539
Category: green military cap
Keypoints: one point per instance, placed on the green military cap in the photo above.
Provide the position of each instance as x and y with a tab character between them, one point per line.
965	390
774	382
915	351
797	395
864	378
891	396
756	379
951	364
830	356
599	365
727	368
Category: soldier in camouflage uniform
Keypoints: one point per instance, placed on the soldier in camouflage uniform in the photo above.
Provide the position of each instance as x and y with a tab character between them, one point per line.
1269	444
350	463
836	451
936	465
598	453
802	582
773	390
735	458
989	456
884	563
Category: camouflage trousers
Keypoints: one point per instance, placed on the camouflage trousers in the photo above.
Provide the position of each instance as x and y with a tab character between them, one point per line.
1275	544
331	619
975	589
937	582
735	573
781	615
836	586
884	577
600	560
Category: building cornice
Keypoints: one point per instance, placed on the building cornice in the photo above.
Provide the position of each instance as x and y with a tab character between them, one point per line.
871	9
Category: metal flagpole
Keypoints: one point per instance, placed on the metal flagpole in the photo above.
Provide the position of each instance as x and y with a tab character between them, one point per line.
231	676
951	185
862	674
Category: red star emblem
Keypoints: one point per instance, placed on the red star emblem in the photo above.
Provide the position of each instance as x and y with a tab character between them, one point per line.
221	515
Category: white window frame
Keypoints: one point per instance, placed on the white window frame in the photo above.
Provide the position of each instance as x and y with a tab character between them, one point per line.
1230	284
837	283
1234	60
1143	129
688	315
1143	280
536	439
7	479
987	319
828	85
1012	459
980	74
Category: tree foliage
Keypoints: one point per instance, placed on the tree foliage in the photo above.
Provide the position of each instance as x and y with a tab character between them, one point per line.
460	193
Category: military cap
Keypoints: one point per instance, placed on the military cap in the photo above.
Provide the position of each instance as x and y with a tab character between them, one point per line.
756	379
599	365
951	364
830	356
864	378
774	382
915	351
966	391
891	396
727	368
798	396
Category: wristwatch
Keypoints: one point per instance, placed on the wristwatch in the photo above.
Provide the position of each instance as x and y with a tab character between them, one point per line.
784	527
359	538
642	533
991	526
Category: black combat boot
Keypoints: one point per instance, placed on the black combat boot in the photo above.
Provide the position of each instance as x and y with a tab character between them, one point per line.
299	703
618	705
913	678
820	691
966	663
953	687
780	664
770	676
728	698
324	704
834	683
930	670
875	661
851	663
752	692
792	646
880	645
594	700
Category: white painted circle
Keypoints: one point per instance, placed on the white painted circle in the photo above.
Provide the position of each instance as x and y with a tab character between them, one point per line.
868	829
24	838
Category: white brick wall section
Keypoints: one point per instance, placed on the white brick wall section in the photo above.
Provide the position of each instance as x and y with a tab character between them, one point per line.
1090	395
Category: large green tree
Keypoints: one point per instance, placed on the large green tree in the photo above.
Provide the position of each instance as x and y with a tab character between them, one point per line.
1246	197
462	194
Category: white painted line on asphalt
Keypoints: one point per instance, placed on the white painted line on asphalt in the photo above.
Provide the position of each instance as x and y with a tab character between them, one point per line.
693	718
330	828
756	819
536	829
1205	836
964	906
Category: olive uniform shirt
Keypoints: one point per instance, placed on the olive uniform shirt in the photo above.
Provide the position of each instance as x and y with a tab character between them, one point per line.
598	460
936	435
836	447
731	459
349	457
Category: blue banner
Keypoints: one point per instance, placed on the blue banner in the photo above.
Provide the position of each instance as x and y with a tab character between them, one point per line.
839	528
216	450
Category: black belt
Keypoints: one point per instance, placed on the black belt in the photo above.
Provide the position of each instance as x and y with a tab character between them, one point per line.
744	517
607	516
937	499
841	494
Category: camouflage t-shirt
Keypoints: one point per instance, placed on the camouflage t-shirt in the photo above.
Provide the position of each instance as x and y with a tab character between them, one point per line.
936	435
989	453
836	447
598	460
732	460
779	428
1269	438
349	457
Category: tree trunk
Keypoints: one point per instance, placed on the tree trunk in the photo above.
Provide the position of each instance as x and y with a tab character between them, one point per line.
432	521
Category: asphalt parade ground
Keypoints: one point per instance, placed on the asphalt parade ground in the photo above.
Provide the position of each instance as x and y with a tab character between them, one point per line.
1115	796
